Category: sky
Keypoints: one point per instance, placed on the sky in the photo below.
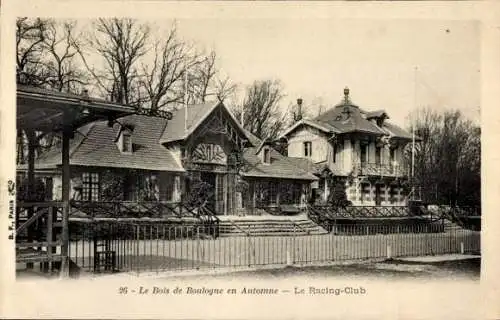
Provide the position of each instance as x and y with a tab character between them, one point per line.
390	64
393	65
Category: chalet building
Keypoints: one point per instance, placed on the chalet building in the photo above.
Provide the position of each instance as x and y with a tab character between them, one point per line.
144	158
359	149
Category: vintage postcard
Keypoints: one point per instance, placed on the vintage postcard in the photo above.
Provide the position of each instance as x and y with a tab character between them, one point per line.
249	160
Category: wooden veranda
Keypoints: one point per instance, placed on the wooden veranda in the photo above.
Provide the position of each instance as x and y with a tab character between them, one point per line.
41	111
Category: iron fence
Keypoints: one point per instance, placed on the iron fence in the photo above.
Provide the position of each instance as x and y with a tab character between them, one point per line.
140	247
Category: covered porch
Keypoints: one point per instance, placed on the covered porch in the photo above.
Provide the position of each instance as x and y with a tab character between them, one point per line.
42	230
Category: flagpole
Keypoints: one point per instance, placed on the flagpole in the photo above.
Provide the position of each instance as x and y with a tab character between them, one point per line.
185	99
413	134
242	116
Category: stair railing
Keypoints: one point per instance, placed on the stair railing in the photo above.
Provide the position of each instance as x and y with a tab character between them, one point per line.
247	233
298	226
45	214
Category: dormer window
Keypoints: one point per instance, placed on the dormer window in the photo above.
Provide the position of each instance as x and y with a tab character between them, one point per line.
266	154
377	117
264	151
126	142
124	139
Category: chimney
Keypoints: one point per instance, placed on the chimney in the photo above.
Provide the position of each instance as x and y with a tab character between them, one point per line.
299	102
85	96
298	115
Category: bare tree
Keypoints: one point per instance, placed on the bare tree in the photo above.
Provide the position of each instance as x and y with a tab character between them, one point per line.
207	82
261	112
204	74
120	43
224	88
30	37
64	73
448	158
45	58
163	79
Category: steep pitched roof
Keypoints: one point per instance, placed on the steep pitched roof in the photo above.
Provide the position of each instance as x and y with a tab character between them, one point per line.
265	142
96	147
347	117
395	131
390	128
376	114
179	129
280	166
325	127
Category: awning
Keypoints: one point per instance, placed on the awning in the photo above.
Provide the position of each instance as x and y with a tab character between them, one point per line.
48	110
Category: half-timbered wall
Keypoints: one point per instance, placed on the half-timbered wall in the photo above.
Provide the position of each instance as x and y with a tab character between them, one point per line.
215	147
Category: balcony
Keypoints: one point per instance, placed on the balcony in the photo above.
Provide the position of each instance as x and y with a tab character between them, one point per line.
380	169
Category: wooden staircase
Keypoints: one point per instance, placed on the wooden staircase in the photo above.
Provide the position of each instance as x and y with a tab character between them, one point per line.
38	235
268	226
450	226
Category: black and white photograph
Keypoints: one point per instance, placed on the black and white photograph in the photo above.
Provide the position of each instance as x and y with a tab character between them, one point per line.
300	150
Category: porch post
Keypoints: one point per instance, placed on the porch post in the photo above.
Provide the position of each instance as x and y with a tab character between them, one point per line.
253	195
176	192
278	192
31	182
225	191
372	193
357	191
325	193
67	131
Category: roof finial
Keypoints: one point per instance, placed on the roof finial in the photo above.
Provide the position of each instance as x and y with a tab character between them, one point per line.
346	94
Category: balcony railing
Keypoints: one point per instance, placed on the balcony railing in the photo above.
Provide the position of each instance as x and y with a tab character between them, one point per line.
380	169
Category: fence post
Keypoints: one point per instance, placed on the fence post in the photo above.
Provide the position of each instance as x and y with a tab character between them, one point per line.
137	239
389	252
94	246
293	243
198	244
249	247
50	236
462	248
